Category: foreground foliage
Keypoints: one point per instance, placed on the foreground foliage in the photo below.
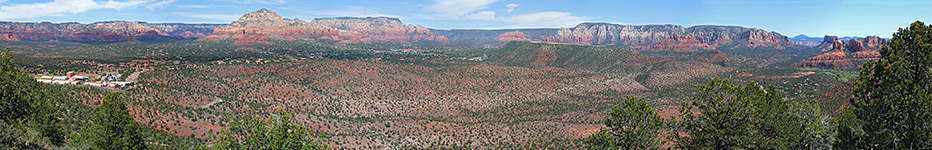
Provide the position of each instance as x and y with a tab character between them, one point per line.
27	115
892	104
632	125
280	133
727	116
114	127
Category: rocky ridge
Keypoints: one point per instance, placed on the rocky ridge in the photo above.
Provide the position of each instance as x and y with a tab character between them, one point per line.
845	55
110	31
264	25
653	37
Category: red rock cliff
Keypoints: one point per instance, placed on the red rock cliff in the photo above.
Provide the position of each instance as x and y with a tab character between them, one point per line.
264	25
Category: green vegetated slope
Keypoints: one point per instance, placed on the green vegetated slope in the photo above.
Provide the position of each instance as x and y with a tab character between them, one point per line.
570	56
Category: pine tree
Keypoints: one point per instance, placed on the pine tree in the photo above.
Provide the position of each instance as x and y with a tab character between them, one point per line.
114	127
631	125
892	103
281	133
24	102
727	116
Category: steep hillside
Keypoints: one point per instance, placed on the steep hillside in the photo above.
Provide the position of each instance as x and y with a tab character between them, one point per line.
570	56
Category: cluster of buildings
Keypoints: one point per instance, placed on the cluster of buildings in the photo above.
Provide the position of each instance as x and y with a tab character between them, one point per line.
77	79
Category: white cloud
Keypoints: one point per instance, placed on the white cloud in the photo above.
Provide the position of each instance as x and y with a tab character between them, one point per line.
260	1
193	6
545	19
454	9
159	4
353	11
222	17
63	7
511	7
483	15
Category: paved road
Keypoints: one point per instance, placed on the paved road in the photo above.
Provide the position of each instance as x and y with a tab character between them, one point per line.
104	88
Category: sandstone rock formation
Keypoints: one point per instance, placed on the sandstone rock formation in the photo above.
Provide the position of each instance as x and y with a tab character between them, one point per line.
680	43
264	25
8	37
669	37
873	42
110	31
845	55
759	38
835	59
512	36
855	46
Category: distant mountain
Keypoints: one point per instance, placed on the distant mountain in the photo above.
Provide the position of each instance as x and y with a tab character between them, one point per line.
643	37
803	37
264	25
110	31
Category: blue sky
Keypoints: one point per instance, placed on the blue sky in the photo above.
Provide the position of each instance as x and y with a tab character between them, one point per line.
789	17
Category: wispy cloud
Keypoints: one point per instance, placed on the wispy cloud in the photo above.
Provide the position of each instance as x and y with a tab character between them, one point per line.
260	1
511	7
159	4
219	17
483	15
353	11
193	6
545	20
64	7
454	9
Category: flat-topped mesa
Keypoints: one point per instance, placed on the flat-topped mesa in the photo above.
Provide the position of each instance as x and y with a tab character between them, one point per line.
512	36
669	37
264	25
614	34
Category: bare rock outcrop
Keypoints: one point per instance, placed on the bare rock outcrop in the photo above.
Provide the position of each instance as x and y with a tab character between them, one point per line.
8	37
512	36
845	54
835	59
681	43
271	26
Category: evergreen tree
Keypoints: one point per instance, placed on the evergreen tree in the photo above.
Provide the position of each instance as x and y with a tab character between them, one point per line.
727	116
892	103
25	104
631	125
277	134
817	131
114	127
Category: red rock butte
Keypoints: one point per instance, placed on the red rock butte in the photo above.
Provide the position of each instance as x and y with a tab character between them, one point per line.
844	55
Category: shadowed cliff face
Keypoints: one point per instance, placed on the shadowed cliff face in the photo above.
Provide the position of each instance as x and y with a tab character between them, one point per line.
114	31
264	25
845	55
